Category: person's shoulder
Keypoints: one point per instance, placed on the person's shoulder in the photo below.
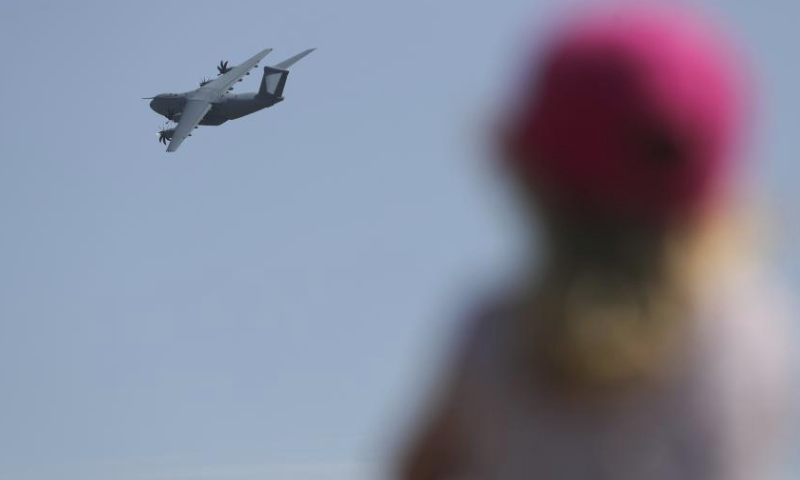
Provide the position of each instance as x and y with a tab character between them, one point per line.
748	325
756	303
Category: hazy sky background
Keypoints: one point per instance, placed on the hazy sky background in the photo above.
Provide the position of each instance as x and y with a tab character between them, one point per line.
264	303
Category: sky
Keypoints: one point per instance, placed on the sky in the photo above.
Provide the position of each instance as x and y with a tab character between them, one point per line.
270	301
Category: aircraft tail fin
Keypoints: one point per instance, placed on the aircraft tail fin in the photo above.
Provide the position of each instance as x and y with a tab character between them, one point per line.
274	79
272	82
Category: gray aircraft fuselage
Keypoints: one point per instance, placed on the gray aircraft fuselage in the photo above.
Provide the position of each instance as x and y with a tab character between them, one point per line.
229	107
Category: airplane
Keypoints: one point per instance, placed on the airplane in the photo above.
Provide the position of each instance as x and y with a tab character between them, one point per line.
213	104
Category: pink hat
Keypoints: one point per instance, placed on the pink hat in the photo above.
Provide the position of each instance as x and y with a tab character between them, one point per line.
633	113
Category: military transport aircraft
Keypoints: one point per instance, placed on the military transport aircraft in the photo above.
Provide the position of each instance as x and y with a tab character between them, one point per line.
213	104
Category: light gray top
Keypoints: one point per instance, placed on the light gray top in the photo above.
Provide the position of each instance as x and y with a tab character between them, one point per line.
719	417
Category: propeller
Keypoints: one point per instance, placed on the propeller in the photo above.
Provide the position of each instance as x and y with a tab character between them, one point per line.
205	81
223	68
165	134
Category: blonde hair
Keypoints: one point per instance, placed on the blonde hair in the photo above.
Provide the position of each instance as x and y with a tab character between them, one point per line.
615	302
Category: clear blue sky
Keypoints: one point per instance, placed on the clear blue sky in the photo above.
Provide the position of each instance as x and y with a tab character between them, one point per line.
264	303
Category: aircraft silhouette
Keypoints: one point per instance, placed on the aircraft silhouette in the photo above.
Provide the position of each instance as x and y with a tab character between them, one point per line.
213	104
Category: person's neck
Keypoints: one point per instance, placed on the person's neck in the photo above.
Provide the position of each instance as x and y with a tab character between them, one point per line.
576	248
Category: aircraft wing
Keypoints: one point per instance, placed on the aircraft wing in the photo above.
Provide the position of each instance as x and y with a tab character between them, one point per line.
194	111
199	103
215	89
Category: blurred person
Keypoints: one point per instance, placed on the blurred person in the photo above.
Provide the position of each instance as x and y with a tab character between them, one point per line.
651	344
